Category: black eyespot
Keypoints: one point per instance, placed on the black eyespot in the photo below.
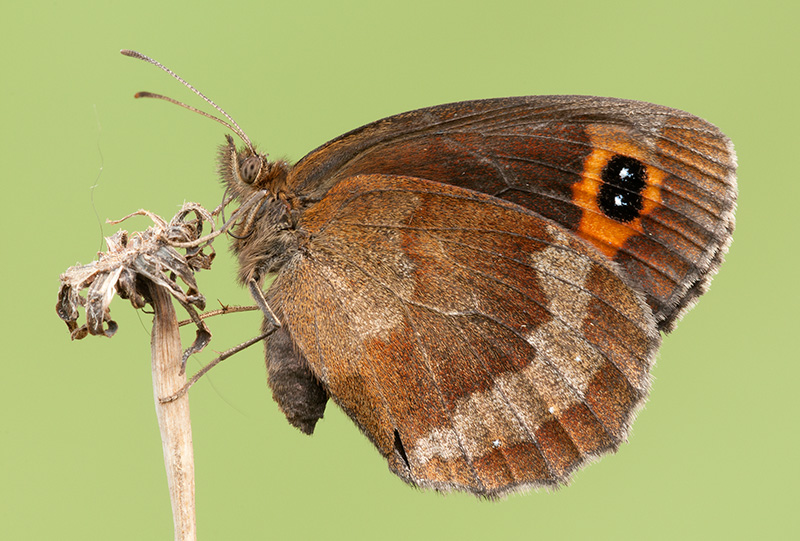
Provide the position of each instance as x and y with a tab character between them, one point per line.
248	170
620	195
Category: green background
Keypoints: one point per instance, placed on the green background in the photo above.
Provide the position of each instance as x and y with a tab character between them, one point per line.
714	453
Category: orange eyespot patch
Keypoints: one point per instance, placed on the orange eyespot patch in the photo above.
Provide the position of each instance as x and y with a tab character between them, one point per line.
605	231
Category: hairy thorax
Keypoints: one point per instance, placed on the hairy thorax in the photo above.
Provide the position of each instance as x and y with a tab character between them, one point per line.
265	236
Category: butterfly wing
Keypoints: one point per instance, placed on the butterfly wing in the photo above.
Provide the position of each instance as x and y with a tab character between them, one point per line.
652	188
479	346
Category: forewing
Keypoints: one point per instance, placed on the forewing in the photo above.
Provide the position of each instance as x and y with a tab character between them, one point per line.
549	154
479	346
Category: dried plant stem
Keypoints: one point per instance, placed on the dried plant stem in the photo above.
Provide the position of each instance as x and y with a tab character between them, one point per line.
173	417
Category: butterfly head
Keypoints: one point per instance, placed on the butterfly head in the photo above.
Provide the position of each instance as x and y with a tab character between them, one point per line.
246	172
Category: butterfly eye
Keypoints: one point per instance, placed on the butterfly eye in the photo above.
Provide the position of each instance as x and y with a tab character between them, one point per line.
249	169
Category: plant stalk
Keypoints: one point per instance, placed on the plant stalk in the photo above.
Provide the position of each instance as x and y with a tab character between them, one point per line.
173	417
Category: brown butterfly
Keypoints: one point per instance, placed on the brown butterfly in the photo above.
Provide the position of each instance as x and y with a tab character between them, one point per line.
481	286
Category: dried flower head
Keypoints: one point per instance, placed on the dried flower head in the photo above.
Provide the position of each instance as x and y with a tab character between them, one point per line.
151	255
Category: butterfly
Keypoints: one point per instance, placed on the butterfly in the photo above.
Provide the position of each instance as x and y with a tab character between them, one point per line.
482	286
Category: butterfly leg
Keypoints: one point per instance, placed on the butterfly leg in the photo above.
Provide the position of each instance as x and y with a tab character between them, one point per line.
271	324
258	296
182	391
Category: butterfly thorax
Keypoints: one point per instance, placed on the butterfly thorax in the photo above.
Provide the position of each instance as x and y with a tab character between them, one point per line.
264	236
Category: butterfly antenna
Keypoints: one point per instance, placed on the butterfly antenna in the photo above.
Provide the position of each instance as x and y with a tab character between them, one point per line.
233	126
